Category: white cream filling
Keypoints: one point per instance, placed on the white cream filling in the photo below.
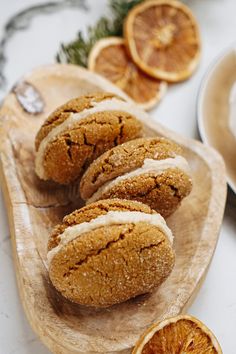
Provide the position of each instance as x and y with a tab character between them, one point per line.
149	166
111	218
113	104
232	110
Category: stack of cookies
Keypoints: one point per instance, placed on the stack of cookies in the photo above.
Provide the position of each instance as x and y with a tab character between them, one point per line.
118	246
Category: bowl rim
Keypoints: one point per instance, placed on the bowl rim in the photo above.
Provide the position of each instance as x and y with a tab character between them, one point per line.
201	95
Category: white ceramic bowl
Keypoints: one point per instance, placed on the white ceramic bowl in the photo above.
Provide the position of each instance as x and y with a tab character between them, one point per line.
214	110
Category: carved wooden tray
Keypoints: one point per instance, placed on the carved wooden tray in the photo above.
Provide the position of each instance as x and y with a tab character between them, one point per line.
35	207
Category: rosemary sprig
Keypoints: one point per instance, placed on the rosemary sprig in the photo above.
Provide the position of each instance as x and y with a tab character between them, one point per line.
77	52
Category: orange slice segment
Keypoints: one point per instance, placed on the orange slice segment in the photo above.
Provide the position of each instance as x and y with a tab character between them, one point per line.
163	39
110	59
181	334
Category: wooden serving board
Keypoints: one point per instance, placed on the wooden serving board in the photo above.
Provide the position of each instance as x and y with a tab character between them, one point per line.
34	207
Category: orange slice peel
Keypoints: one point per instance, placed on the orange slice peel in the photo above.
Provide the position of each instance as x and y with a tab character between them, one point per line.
180	334
163	39
110	59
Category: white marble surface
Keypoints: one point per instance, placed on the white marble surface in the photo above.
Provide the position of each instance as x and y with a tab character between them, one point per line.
216	302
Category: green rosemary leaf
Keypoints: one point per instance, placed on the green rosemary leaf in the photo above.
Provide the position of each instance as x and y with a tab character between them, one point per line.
120	9
77	52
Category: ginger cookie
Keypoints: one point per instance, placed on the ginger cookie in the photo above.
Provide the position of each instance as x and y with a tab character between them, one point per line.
81	130
149	170
108	252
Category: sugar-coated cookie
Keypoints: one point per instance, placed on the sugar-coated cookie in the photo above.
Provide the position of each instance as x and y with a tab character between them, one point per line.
108	252
81	130
149	170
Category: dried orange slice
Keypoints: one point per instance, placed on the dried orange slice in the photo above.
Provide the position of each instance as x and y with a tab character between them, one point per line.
110	59
163	39
181	334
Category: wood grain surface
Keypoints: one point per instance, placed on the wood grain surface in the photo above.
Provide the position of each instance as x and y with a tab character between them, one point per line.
34	207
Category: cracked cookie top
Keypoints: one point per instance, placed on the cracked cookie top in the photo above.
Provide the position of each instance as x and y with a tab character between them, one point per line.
81	130
125	158
109	252
89	212
150	170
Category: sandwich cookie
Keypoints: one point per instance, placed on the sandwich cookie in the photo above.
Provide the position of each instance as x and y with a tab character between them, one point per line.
81	130
108	252
149	170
